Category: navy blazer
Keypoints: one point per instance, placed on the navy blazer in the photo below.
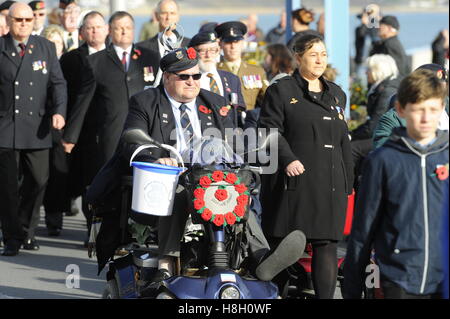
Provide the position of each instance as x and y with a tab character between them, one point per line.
26	85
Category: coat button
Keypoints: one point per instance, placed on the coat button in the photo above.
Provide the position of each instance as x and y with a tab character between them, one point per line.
128	79
334	189
17	111
16	83
17	97
30	113
31	98
31	83
397	251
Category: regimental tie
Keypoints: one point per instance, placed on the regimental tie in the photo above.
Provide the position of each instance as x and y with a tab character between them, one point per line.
213	84
69	41
188	131
124	60
22	49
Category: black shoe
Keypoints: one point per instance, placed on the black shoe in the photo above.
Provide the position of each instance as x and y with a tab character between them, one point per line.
149	288
30	244
11	248
54	232
288	252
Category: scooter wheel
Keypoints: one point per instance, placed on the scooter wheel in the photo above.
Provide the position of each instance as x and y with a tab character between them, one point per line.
111	290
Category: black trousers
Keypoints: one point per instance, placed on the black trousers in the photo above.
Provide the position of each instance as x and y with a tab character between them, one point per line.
393	291
20	204
360	149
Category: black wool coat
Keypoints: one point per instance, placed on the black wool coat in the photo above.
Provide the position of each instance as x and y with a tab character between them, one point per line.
106	87
315	133
26	84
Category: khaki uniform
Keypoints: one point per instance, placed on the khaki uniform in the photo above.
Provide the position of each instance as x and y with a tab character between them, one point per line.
253	81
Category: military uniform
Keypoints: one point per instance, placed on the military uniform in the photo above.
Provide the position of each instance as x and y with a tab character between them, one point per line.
253	82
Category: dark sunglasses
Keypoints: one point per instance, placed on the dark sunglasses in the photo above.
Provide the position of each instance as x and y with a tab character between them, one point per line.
39	14
185	77
18	20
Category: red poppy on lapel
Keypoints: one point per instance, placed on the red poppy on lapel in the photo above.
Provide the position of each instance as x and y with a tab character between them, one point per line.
137	54
224	110
204	109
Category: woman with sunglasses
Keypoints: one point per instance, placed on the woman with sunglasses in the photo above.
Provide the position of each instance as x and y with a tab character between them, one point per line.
309	191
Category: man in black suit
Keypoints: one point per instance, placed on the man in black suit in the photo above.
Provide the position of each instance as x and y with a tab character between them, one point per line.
71	173
167	15
30	75
110	78
391	45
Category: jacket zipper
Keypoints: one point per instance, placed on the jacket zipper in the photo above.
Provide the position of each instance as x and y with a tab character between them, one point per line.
425	217
423	164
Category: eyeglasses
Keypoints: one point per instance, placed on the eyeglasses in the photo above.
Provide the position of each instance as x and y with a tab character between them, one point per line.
39	14
185	77
204	51
19	20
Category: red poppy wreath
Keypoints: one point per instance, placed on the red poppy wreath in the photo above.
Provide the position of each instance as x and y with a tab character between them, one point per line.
228	191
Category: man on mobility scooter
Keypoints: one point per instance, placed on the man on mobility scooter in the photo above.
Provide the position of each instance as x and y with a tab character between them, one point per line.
178	112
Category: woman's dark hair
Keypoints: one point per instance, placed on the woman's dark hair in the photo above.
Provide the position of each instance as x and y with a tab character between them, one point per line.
303	16
305	43
282	59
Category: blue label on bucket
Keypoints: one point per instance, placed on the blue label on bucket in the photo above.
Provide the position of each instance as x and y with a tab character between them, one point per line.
158	168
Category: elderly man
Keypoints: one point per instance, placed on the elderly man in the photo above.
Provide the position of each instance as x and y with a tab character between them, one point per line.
168	15
174	113
40	14
57	199
69	15
4	29
110	78
391	45
253	78
30	72
220	82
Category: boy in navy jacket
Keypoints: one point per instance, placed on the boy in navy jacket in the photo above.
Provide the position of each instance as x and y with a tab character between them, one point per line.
398	212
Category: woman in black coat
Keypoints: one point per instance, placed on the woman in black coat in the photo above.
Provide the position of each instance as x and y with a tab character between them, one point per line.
309	190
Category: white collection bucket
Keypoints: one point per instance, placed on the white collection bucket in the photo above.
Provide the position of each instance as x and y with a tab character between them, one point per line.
154	187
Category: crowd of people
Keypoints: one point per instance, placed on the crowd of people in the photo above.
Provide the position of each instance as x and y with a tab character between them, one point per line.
69	89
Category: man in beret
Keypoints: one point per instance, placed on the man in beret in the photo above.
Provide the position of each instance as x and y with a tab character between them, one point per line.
69	15
253	78
40	14
177	112
220	82
391	45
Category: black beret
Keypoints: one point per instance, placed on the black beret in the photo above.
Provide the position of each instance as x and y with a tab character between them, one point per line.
202	38
6	5
231	31
64	3
390	20
37	5
179	60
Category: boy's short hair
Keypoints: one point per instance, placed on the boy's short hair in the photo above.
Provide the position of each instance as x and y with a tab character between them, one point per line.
419	86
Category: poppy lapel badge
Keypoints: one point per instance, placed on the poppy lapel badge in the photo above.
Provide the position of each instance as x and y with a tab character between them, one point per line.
294	101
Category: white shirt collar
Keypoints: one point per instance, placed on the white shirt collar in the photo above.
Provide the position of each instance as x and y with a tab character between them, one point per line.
92	50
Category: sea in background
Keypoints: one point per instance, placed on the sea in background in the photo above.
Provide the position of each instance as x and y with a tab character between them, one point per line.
417	30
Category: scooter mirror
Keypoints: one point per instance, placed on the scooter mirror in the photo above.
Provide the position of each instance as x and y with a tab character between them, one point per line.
138	136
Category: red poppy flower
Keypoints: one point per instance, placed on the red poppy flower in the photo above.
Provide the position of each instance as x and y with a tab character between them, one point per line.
206	215
217	176
138	51
205	181
134	56
199	203
230	218
239	211
240	188
218	220
204	109
199	193
191	53
224	111
221	194
242	200
231	178
442	173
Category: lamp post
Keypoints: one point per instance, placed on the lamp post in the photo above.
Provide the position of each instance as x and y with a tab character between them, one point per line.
290	5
